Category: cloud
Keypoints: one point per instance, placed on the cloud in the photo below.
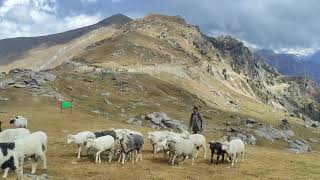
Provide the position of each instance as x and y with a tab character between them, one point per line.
275	24
89	1
38	17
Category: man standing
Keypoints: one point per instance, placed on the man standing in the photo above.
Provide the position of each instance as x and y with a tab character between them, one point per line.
196	121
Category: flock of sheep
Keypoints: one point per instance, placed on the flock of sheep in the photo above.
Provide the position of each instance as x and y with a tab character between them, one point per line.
178	147
18	146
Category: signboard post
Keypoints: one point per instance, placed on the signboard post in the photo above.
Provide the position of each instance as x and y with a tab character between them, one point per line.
66	105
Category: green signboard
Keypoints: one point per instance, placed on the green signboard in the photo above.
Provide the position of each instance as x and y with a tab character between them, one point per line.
66	104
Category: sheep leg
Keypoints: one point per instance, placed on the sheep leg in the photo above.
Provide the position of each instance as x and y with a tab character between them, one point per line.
197	153
233	159
218	157
212	153
174	156
98	160
243	156
204	147
237	155
44	160
123	157
137	156
111	155
222	158
34	166
120	156
5	174
79	151
192	160
184	159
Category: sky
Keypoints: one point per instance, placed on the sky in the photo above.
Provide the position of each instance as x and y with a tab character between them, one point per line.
282	25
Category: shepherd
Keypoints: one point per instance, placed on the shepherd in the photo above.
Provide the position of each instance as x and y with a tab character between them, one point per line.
196	121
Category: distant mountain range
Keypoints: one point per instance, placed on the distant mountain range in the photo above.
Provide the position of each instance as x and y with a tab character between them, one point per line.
292	65
315	57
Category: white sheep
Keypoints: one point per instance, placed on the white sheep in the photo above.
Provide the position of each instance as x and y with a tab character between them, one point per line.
80	139
199	141
179	147
19	122
10	135
30	147
156	137
234	148
42	136
101	144
162	145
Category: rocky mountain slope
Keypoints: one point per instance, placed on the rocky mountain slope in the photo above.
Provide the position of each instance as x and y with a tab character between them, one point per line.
160	58
170	49
45	52
289	64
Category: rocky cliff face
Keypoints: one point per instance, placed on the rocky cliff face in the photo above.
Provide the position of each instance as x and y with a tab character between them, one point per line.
162	45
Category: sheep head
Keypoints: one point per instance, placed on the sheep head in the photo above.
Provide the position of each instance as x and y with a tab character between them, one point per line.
225	146
70	138
90	142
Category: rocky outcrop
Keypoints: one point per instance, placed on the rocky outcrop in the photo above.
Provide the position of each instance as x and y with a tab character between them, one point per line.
21	78
270	133
299	146
158	120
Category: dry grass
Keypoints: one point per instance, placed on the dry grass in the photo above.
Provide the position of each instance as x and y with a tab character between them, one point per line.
43	114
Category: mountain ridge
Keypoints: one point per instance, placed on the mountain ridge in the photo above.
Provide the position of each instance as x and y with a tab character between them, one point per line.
12	48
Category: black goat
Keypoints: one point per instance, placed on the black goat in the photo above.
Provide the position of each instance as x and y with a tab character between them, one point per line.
216	148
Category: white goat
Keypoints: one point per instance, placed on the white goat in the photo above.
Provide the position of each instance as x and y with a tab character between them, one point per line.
234	148
80	139
101	144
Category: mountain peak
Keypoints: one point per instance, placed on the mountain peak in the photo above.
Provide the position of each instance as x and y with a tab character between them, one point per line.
119	19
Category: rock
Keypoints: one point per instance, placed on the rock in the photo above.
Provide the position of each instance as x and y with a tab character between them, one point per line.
299	146
228	123
135	121
250	121
108	102
269	133
158	120
286	134
4	98
36	177
314	140
18	85
105	94
234	129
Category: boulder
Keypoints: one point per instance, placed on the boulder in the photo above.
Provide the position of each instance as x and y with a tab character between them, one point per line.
269	133
29	176
4	98
159	120
250	121
299	146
